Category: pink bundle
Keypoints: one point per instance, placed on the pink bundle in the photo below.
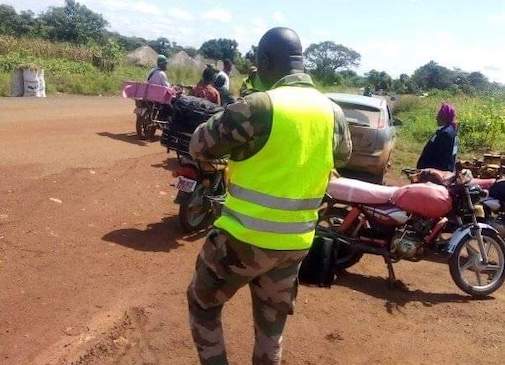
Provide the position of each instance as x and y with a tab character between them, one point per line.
146	91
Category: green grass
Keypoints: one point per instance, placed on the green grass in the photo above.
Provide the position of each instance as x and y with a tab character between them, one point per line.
481	126
481	120
4	84
64	75
36	47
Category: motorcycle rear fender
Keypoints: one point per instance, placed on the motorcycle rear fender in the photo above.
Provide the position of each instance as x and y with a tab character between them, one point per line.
462	232
182	197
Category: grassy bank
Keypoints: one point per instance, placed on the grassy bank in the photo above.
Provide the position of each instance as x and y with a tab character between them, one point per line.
70	69
481	121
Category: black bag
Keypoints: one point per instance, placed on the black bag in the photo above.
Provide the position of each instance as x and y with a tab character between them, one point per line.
318	267
189	112
497	191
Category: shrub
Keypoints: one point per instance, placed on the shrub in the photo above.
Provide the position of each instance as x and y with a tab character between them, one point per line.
36	47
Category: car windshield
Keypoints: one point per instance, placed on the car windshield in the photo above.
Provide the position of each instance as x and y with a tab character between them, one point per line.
361	115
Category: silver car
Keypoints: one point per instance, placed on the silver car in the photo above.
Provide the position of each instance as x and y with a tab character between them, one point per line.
373	134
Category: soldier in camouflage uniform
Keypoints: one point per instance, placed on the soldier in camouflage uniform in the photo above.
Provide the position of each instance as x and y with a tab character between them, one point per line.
225	264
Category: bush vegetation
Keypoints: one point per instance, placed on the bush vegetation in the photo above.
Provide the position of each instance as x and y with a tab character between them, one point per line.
481	120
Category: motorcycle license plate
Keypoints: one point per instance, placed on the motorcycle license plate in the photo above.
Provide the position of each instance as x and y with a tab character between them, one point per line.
184	184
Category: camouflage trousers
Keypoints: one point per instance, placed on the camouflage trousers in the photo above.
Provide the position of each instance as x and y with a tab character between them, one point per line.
224	265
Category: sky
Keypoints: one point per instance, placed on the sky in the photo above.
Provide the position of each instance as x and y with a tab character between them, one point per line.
392	35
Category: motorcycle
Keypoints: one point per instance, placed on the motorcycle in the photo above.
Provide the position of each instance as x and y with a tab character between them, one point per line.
152	104
201	192
201	185
147	113
403	223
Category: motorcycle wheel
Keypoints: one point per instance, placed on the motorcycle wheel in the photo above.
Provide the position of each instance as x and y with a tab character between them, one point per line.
347	256
195	212
144	129
467	270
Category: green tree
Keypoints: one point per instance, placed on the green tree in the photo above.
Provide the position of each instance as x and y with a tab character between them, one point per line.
108	56
162	45
351	78
478	81
404	85
74	23
324	59
252	54
12	23
126	43
379	80
433	76
220	49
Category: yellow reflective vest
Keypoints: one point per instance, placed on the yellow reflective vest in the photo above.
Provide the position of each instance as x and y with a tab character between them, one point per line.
274	196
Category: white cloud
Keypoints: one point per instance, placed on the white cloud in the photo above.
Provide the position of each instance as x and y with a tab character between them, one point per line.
404	56
182	14
278	17
497	19
218	15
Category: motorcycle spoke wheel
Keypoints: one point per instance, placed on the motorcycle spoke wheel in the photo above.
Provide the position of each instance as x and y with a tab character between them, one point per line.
472	269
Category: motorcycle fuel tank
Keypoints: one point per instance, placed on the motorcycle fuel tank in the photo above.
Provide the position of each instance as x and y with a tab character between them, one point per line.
387	215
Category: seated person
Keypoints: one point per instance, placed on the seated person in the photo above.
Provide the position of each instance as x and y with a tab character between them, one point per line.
226	97
205	90
158	76
441	150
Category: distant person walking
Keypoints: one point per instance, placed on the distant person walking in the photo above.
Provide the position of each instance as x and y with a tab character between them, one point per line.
205	90
225	73
158	75
441	150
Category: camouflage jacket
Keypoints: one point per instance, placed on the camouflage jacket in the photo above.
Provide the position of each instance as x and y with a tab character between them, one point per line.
244	127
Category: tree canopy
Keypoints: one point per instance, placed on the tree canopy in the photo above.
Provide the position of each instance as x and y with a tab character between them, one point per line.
379	80
328	62
220	49
326	58
14	24
73	23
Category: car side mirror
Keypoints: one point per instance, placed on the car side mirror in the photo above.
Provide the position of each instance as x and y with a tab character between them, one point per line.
397	122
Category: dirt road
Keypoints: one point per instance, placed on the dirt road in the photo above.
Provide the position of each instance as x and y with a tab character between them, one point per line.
93	266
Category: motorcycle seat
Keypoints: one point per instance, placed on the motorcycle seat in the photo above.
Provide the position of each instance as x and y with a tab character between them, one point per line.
360	192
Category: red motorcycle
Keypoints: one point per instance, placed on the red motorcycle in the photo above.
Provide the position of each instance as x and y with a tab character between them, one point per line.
403	223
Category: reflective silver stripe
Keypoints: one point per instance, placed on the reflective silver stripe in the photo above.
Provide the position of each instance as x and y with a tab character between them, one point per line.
273	202
269	226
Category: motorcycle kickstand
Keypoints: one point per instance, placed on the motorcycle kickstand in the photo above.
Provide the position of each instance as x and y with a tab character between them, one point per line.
391	272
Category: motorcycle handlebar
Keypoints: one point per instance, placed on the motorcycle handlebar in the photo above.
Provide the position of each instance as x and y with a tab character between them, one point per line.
411	173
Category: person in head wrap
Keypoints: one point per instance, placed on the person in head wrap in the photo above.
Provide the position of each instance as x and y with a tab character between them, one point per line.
441	150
